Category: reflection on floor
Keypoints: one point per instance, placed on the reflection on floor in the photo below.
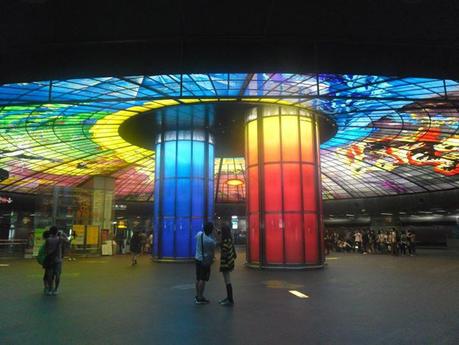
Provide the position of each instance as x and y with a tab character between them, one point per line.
356	299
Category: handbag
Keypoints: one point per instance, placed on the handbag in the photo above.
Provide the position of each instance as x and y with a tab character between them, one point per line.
41	255
207	260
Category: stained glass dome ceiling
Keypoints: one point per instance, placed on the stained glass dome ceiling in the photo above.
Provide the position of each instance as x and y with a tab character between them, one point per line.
394	135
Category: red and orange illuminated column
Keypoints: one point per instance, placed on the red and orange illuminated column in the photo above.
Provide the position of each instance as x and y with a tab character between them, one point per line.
284	198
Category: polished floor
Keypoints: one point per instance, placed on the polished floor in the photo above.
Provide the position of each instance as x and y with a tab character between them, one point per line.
356	299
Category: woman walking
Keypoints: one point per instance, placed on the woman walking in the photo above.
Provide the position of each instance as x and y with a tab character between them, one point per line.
228	255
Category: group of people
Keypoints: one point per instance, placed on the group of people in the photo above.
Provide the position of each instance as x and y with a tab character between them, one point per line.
53	253
142	239
206	242
363	241
138	244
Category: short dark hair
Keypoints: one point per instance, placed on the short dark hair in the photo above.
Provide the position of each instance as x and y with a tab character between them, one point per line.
46	234
208	228
226	232
53	230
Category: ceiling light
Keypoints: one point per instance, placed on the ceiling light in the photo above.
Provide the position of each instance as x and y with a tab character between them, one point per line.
234	182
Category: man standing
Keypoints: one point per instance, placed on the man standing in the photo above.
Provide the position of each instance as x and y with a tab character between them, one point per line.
412	243
143	242
135	246
119	239
53	260
205	247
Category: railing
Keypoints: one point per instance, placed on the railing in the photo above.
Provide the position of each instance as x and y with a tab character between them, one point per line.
12	248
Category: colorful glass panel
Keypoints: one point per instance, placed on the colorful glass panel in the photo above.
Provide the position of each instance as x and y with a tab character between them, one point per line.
181	192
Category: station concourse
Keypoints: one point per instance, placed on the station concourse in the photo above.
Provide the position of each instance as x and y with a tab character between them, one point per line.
325	135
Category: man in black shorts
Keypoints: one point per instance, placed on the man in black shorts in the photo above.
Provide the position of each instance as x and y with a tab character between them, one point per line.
205	247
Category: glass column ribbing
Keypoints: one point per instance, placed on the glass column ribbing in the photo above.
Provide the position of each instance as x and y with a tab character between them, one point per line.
183	191
284	200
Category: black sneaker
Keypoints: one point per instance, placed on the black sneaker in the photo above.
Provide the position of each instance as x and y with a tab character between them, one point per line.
227	303
200	300
223	300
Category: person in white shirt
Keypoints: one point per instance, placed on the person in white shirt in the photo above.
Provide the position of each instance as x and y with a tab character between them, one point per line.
358	240
205	247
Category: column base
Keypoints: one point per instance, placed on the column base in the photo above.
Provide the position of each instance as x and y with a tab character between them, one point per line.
284	267
174	260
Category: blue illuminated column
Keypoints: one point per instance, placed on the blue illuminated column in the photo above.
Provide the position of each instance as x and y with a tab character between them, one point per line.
183	191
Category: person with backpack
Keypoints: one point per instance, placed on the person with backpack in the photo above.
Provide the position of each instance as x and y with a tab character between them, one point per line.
53	261
227	257
204	257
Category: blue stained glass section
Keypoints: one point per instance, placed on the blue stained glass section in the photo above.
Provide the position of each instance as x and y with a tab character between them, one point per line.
198	159
157	163
170	158
183	193
211	162
156	222
38	91
183	237
169	197
184	199
156	207
183	158
144	90
220	83
210	192
197	85
197	188
167	237
166	85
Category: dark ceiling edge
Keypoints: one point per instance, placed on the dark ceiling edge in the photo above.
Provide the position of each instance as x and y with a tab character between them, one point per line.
217	55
